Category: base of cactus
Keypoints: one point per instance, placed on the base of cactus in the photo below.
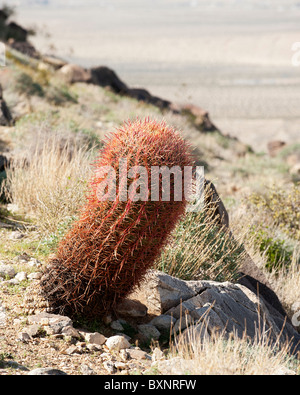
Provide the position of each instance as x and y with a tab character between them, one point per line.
67	294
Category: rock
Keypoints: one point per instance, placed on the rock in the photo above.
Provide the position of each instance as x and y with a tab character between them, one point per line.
149	332
17	235
54	61
2	316
213	201
157	355
145	96
16	32
33	330
70	332
138	354
107	78
86	370
117	343
94	338
295	170
120	365
274	147
163	322
223	307
293	158
25	48
46	372
35	276
72	73
24	337
131	308
159	292
199	117
73	350
109	367
183	323
21	276
117	326
7	271
53	324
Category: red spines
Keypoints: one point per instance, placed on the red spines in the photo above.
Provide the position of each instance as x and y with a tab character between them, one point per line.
110	248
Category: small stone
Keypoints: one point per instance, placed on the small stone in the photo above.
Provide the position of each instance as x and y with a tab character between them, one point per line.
21	276
34	262
120	365
157	355
16	235
94	338
46	372
137	354
7	271
93	347
109	367
86	370
73	350
35	276
70	331
33	330
117	343
24	337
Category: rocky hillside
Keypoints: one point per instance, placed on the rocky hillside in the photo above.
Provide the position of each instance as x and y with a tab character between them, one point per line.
229	275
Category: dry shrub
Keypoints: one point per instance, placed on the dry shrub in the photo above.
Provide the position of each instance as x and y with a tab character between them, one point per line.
50	185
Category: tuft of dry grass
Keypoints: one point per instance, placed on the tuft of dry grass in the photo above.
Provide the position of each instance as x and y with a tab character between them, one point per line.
217	354
200	249
50	185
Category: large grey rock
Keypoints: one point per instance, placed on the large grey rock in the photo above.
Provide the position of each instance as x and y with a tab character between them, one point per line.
160	292
212	306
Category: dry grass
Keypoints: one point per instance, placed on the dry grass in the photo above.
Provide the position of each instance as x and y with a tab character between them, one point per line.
51	184
217	354
285	277
201	249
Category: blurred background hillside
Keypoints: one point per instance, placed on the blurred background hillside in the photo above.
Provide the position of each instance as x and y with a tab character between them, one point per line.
231	57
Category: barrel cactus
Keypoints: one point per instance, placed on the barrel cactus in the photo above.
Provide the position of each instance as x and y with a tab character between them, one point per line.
119	234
